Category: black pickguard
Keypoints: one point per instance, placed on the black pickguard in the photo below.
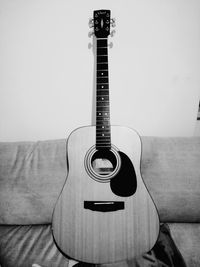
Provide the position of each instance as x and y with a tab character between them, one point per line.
124	184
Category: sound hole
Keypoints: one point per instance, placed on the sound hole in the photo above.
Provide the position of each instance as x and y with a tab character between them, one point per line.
103	162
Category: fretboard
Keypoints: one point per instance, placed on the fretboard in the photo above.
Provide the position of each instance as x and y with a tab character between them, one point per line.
103	139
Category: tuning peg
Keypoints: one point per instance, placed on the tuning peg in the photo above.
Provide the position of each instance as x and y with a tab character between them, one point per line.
90	34
113	22
91	23
112	33
90	46
110	44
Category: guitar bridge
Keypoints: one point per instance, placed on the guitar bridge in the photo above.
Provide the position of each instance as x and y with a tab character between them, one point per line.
104	206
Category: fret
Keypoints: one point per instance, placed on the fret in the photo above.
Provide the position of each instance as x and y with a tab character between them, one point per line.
102	59
103	123
102	80
103	144
102	113
102	86
103	119
102	97
100	116
107	142
107	134
102	51
103	128
102	147
103	103
103	135
102	107
103	73
102	66
103	92
103	132
102	43
102	89
104	141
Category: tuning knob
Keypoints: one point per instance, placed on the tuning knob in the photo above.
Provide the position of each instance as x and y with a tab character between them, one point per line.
112	33
113	22
91	23
90	34
110	45
90	46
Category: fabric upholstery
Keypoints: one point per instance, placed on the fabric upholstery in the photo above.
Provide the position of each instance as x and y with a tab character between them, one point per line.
21	246
171	170
31	177
187	239
33	173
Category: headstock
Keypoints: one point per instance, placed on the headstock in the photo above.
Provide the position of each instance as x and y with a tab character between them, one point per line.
101	22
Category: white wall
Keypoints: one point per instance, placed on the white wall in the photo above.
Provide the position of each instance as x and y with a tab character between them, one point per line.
46	68
197	129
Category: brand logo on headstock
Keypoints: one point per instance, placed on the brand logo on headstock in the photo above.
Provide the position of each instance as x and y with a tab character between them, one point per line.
101	12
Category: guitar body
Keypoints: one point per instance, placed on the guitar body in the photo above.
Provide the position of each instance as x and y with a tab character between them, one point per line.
110	216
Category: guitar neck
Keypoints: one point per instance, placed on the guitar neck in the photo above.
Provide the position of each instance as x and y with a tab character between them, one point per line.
103	139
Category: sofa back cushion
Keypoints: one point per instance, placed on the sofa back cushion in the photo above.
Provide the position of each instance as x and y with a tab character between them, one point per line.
32	175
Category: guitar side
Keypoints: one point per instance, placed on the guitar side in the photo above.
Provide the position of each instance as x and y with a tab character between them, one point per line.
103	236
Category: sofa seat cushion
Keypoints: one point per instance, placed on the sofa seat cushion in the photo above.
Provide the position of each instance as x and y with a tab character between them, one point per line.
23	246
187	237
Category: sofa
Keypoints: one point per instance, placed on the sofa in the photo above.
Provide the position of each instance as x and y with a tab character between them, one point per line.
32	175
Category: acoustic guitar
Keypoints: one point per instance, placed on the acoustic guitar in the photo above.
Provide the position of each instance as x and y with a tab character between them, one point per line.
104	212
